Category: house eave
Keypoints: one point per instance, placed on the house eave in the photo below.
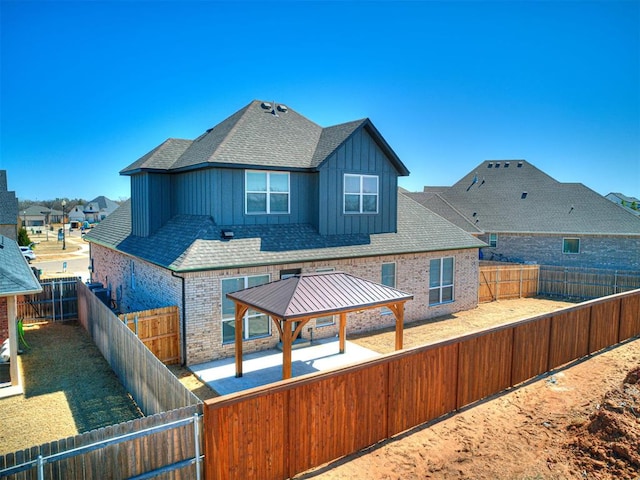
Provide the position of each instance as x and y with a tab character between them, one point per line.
309	259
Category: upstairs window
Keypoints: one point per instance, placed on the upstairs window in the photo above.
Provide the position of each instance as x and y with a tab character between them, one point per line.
360	193
266	192
571	245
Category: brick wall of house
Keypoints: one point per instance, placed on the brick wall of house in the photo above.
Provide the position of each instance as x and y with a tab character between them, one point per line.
622	253
154	287
204	309
4	319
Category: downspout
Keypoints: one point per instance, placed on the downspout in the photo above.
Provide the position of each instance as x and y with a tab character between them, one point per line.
183	355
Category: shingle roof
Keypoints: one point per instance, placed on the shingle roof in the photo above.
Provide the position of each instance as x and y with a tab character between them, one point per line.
254	136
514	196
8	208
437	204
160	158
622	196
16	277
35	210
103	203
317	293
193	242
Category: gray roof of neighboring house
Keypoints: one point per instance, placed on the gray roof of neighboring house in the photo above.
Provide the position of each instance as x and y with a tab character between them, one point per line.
514	196
253	136
103	203
317	293
16	276
621	196
192	242
35	211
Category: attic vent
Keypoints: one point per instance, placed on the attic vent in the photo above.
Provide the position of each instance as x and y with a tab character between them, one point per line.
506	164
227	234
519	164
266	105
524	195
282	108
490	165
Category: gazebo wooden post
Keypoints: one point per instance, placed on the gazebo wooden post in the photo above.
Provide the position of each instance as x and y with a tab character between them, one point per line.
286	350
398	311
343	331
241	309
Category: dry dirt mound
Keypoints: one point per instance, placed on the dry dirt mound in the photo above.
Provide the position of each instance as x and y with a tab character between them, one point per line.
609	443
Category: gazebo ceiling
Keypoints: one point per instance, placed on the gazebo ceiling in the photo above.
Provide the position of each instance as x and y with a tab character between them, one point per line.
316	294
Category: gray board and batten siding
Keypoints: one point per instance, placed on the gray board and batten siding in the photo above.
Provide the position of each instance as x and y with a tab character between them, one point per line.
315	194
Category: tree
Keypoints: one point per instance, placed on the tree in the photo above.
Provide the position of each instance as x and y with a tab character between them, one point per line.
23	237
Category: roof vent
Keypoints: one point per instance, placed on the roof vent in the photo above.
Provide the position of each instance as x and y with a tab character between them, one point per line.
490	165
227	234
497	164
506	164
266	105
524	195
282	108
519	164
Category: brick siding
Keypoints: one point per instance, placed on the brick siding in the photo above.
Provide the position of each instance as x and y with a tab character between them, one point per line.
618	253
151	286
4	319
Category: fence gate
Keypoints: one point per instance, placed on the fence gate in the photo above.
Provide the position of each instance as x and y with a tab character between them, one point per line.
58	301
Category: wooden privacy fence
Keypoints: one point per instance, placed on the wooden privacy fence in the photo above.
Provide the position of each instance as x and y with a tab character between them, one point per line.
503	281
291	426
151	384
57	301
159	330
161	444
585	283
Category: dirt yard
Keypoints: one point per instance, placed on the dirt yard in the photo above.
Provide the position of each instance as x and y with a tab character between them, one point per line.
580	422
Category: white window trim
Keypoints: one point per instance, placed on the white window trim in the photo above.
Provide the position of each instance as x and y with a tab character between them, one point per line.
495	235
385	310
333	317
361	193
570	253
267	193
441	286
247	318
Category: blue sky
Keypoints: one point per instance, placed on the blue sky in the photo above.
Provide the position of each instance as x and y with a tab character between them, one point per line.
89	87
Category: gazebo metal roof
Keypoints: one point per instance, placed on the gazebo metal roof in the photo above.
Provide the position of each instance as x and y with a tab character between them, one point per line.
305	296
317	294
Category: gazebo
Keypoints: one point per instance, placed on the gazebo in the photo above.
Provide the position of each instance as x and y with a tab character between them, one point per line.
305	296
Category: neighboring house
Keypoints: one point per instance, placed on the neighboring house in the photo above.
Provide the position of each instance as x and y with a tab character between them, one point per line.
76	214
35	216
98	209
8	209
631	204
527	216
16	278
264	195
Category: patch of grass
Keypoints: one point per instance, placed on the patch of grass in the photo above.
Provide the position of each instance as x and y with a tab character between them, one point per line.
69	389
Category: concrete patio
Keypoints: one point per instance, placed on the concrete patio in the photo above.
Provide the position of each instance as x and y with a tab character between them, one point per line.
263	368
